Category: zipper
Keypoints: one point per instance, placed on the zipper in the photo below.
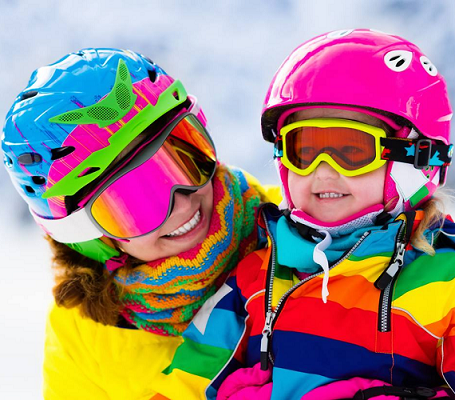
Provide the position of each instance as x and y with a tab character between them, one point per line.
384	309
265	340
386	281
271	316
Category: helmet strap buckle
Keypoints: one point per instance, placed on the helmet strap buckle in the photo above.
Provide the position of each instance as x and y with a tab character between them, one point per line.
422	154
278	150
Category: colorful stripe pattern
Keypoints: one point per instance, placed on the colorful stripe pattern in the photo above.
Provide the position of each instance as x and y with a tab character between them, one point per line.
162	296
314	343
88	138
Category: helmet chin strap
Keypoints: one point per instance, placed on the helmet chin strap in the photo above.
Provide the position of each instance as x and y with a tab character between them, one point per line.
362	219
366	217
373	215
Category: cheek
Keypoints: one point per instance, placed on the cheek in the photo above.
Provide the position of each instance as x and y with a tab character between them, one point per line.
298	189
140	246
204	197
371	186
207	193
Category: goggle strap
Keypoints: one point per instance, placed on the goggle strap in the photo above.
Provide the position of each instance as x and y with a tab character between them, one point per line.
421	153
76	227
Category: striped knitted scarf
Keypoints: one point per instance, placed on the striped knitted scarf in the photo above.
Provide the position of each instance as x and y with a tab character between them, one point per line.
162	296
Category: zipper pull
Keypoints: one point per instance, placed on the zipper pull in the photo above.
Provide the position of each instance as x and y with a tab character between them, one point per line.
265	341
386	277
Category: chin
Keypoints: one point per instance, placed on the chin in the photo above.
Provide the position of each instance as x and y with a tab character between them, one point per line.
331	218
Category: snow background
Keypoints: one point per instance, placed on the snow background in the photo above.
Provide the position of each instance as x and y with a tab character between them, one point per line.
225	52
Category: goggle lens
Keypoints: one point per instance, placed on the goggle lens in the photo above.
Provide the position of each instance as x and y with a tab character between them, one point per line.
351	147
139	201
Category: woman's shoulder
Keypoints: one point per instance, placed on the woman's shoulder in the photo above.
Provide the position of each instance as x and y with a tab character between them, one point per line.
70	321
82	355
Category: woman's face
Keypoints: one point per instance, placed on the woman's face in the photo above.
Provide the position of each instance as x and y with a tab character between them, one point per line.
186	227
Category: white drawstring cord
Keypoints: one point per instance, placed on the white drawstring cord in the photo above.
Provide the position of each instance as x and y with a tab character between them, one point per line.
320	258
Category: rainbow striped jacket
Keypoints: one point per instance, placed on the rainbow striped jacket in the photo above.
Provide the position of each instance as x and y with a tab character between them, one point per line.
403	333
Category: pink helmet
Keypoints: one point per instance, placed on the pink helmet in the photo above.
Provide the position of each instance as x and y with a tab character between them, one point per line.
371	72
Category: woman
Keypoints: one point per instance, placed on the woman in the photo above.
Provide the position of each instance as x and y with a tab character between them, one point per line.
117	167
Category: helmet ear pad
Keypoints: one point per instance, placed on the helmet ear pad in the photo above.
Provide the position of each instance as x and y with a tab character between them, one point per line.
283	174
406	187
391	195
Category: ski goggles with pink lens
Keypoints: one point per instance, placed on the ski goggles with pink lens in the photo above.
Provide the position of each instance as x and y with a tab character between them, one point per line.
138	198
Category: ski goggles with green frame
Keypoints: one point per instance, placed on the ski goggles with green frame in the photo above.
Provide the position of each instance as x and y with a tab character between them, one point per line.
137	197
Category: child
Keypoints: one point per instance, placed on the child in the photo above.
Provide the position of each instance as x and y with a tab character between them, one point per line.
356	288
116	165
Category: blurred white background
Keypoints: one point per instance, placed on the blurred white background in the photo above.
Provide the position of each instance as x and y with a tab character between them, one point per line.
224	52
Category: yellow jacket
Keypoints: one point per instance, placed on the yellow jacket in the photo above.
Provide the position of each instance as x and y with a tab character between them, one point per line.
86	360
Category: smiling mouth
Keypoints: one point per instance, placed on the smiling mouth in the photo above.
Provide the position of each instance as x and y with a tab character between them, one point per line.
187	227
330	195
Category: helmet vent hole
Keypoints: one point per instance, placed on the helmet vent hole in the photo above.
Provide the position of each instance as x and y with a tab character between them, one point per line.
123	71
152	75
339	34
8	161
70	116
38	180
398	60
29	158
88	171
176	95
428	66
122	95
60	152
148	59
28	95
102	113
29	190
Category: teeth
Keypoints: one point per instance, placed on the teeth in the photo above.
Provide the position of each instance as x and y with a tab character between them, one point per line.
189	226
330	195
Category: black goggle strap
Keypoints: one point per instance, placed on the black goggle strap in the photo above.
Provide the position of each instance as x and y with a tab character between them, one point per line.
421	153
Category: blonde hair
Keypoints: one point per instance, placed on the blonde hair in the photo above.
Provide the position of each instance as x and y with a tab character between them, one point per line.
435	214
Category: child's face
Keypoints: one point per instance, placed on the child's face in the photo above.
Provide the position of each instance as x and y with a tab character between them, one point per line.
157	245
311	193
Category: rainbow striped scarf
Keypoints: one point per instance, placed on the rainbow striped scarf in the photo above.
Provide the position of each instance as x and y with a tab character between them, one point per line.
163	296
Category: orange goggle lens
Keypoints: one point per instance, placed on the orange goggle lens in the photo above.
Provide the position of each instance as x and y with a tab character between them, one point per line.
138	198
350	147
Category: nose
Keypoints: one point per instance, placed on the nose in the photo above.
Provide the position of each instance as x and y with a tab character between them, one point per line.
325	172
